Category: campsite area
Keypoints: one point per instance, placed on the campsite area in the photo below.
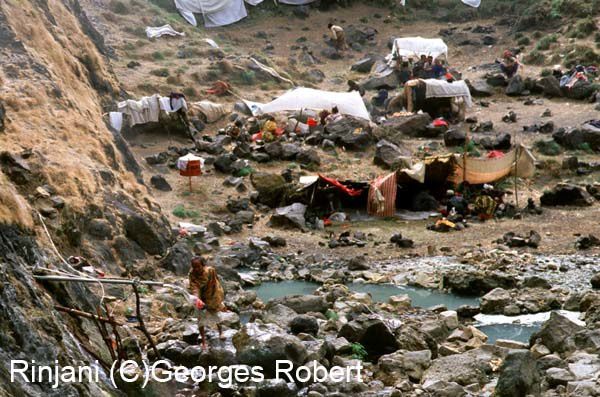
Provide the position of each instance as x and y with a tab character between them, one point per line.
412	186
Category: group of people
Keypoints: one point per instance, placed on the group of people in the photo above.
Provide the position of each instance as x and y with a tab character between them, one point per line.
426	67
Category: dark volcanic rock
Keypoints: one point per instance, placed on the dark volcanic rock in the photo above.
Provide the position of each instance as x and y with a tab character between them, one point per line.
567	194
304	324
519	376
291	216
480	88
390	156
372	333
160	183
271	188
144	234
557	333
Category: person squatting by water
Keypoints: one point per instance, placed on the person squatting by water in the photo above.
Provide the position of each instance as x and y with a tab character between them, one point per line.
208	296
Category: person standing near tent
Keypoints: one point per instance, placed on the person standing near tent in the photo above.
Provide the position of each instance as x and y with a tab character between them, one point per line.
208	296
338	36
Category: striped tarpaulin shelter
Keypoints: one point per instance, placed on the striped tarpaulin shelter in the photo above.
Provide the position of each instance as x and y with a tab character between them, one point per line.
382	196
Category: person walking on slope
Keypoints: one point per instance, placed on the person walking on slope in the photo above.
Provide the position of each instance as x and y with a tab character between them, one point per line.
338	36
208	296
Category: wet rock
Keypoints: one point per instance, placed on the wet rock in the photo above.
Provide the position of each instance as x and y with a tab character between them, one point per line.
160	183
262	345
144	234
372	333
519	376
454	137
556	333
304	324
291	216
302	304
480	88
476	283
100	228
567	194
494	301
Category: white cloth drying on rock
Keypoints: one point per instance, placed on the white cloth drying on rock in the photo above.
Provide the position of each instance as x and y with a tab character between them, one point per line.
153	32
211	110
146	110
172	105
116	120
215	12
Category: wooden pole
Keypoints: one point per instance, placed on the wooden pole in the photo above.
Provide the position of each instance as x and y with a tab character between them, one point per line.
515	180
79	313
142	326
190	183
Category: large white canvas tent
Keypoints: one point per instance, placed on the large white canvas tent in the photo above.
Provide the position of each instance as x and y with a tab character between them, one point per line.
349	103
215	12
472	3
296	2
417	46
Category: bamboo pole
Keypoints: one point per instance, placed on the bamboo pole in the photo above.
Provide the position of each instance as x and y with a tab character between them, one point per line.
79	313
97	280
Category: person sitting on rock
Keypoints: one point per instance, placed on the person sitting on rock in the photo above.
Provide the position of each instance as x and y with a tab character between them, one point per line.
457	203
510	66
338	36
485	205
333	116
438	70
207	296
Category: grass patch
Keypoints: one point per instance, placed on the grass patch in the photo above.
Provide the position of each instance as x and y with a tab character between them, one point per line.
181	212
545	42
535	58
547	148
524	41
158	56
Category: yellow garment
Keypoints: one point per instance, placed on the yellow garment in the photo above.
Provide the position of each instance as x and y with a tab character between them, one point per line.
206	286
485	205
445	222
270	126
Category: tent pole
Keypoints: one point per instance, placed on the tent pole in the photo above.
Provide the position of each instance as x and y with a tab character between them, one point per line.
465	157
515	180
190	183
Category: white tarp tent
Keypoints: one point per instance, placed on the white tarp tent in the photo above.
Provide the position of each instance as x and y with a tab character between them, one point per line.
349	103
216	12
442	89
417	46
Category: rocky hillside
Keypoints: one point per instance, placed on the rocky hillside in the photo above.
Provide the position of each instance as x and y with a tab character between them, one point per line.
62	165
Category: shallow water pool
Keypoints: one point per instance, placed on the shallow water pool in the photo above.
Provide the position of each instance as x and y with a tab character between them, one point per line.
421	297
276	289
518	332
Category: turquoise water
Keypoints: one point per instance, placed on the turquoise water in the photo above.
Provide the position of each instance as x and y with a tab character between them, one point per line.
518	332
276	289
420	297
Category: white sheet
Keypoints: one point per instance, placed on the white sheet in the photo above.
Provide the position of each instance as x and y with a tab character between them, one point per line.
254	2
146	110
153	32
116	120
417	46
216	12
472	3
443	89
178	103
349	103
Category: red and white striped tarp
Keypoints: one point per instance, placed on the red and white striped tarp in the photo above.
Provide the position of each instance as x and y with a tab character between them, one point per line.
382	196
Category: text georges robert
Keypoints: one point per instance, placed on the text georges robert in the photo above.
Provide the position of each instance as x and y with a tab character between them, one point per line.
163	371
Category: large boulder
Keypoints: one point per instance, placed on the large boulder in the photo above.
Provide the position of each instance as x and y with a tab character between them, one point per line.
179	258
519	376
471	367
289	217
480	88
359	140
387	79
586	135
550	86
401	364
516	86
140	230
364	65
390	156
302	304
567	194
396	129
372	333
494	301
557	334
476	283
263	344
455	137
271	188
